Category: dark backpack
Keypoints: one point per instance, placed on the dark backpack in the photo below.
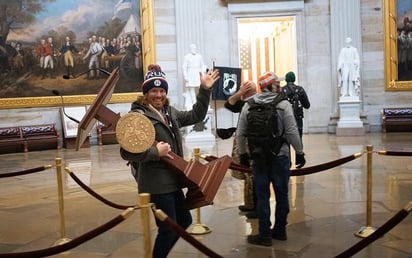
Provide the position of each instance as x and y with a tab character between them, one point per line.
292	94
264	140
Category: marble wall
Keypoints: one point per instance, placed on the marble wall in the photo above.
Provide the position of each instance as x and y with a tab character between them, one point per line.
316	64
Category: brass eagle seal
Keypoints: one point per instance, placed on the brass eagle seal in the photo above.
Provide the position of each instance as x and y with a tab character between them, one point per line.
135	133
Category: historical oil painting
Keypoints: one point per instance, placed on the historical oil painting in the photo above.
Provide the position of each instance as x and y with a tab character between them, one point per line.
404	31
398	41
68	47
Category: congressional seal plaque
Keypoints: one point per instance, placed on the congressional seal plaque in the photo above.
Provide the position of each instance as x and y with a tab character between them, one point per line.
135	133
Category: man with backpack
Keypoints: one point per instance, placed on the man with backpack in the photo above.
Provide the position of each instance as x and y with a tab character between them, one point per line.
297	97
268	126
234	104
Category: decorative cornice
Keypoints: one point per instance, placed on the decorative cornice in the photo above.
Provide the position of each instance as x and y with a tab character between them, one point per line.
6	103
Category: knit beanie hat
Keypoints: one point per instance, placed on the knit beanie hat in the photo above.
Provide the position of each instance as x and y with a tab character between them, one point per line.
290	77
267	79
154	78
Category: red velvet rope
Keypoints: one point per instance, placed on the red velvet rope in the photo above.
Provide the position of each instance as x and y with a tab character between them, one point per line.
71	244
183	233
321	167
298	171
97	196
395	153
25	172
375	235
186	236
170	223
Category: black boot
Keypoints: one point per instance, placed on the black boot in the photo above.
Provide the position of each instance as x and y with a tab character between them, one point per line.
68	71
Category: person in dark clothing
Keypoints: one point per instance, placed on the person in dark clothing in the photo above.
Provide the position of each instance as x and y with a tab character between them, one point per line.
152	175
68	50
234	104
18	59
273	168
247	90
297	97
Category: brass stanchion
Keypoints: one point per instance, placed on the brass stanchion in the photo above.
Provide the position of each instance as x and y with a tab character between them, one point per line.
198	228
144	200
368	229
63	239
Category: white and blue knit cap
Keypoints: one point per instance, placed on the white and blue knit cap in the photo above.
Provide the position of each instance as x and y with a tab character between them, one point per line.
154	78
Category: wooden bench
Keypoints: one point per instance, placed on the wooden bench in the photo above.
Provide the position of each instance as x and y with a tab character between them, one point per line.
38	135
105	135
18	138
396	119
11	137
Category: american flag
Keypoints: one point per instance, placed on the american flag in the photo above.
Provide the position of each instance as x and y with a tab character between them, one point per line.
121	5
257	56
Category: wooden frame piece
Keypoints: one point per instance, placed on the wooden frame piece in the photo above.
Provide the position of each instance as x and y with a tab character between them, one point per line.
392	83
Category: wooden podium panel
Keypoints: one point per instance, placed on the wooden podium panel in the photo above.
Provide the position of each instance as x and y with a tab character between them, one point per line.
98	111
70	143
202	180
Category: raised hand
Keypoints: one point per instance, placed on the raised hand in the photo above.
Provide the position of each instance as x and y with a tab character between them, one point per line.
208	79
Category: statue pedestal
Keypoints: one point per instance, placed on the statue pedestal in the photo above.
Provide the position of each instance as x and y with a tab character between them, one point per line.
349	123
200	135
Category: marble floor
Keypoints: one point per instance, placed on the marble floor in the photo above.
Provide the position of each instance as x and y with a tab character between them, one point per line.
327	208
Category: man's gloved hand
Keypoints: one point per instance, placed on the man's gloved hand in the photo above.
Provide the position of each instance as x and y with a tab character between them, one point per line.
244	160
300	160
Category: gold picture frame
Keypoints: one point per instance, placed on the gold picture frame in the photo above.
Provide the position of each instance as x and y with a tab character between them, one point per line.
391	58
148	56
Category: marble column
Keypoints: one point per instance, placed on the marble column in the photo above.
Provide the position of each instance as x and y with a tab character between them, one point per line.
346	22
189	29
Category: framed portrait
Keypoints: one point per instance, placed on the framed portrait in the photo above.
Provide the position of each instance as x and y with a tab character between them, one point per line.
70	47
397	16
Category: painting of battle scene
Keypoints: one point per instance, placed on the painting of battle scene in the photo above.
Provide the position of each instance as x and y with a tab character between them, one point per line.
404	30
68	46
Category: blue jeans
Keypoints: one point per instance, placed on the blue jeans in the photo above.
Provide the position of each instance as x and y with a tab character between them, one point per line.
277	172
172	205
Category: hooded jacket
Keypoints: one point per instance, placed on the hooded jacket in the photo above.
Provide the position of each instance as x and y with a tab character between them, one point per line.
286	124
152	175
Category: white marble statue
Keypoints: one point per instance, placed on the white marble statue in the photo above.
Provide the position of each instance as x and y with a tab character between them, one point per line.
193	64
348	70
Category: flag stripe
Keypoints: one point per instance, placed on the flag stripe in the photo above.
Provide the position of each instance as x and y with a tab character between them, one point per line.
257	56
271	54
267	64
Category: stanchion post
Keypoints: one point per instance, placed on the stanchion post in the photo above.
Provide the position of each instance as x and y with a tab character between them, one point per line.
144	201
63	238
198	228
368	229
